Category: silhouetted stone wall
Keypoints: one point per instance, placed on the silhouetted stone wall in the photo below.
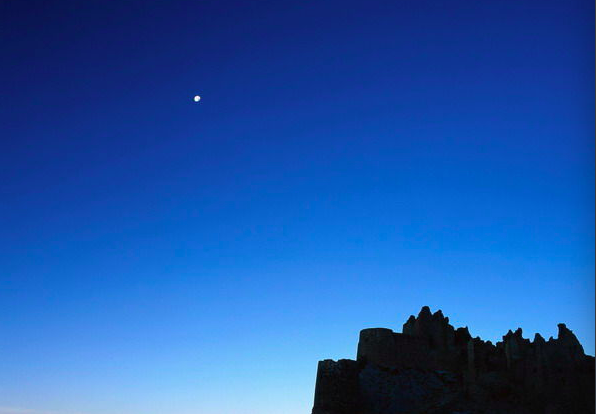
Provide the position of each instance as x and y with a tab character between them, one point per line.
388	349
336	390
447	367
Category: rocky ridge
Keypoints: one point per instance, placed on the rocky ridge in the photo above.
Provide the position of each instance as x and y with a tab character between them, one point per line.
433	368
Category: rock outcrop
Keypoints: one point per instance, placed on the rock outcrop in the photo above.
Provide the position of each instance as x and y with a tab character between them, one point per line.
432	368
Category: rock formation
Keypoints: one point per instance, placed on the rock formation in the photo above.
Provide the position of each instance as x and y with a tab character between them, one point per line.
432	368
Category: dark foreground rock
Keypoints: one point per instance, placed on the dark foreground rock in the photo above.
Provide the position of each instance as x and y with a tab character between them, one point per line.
432	368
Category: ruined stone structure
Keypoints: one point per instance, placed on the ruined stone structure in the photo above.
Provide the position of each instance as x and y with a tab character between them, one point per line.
433	368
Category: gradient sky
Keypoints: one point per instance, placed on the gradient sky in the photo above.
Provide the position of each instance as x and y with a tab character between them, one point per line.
349	162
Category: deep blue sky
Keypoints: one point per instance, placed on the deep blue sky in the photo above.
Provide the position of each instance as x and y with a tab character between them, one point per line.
349	162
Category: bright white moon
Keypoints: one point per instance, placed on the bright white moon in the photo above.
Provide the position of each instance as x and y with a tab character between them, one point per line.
197	98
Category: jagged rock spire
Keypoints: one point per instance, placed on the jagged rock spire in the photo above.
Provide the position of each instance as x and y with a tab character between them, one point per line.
434	328
569	343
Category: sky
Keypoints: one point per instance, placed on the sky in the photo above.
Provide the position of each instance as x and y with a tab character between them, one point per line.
348	163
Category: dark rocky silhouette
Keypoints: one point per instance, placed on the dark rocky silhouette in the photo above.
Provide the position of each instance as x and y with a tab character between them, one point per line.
432	368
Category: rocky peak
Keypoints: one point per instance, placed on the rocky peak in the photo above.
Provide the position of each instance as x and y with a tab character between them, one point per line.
569	344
